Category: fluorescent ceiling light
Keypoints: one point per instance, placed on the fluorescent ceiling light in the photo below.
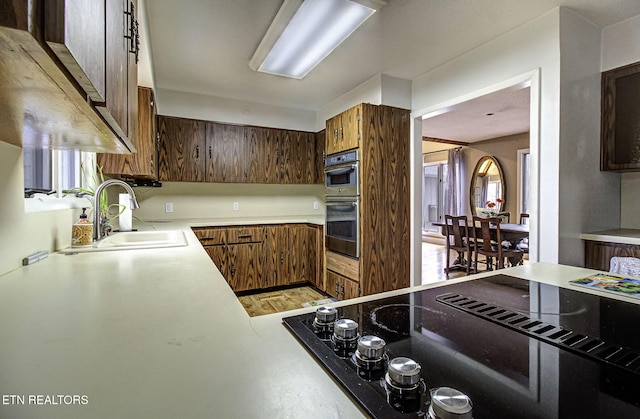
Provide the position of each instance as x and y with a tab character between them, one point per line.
304	32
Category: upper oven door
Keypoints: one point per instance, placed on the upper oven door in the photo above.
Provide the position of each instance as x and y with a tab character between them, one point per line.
343	179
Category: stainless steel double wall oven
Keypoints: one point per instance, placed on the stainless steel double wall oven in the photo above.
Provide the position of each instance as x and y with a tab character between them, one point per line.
342	181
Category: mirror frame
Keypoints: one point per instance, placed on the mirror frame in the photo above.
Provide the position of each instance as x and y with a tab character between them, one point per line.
473	179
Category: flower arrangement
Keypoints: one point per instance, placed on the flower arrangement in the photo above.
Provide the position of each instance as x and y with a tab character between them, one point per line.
492	209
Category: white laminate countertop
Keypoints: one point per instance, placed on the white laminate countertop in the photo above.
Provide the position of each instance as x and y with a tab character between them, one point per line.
159	334
620	235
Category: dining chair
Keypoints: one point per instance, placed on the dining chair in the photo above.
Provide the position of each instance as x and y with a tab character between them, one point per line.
505	216
488	242
524	243
457	239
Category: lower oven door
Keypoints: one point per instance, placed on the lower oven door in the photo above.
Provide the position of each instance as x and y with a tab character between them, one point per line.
342	227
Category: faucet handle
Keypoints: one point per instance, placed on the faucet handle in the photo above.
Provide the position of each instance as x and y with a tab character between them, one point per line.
107	229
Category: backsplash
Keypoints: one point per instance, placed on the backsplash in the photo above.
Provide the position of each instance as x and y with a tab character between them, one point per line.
184	200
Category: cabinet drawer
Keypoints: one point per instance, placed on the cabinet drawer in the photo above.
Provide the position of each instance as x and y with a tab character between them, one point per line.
210	236
343	265
245	234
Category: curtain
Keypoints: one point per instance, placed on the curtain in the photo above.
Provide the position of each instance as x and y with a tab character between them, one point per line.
454	192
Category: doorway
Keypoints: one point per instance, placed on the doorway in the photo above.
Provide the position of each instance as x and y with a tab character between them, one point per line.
521	196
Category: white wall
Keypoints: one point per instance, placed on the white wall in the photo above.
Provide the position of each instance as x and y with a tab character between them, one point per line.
212	108
529	53
563	51
381	89
215	201
589	198
621	46
22	234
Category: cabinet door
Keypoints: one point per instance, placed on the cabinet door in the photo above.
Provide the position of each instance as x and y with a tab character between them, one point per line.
332	132
314	255
349	289
351	128
218	255
182	149
340	287
276	254
245	266
226	159
115	107
319	157
255	145
75	32
598	254
299	157
142	163
299	249
332	284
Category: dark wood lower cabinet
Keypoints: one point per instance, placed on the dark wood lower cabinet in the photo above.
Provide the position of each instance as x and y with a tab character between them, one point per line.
245	266
598	254
258	257
341	287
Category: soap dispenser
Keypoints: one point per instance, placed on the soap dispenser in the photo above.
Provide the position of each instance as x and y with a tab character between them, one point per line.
82	231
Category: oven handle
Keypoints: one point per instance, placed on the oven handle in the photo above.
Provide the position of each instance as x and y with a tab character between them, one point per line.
341	169
343	203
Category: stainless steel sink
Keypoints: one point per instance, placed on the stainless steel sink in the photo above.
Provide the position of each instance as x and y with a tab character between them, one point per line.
135	240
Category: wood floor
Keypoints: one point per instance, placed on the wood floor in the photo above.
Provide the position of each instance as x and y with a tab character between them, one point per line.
278	301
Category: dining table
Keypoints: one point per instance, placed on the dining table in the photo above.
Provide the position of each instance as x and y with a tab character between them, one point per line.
513	233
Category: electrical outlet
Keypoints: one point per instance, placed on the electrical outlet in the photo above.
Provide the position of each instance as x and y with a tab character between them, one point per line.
236	206
315	205
168	207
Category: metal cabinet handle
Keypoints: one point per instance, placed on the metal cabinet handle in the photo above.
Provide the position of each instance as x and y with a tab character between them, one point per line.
244	236
197	152
210	155
134	32
281	257
233	270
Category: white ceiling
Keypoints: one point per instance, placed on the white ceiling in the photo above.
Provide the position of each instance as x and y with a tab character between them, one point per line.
204	46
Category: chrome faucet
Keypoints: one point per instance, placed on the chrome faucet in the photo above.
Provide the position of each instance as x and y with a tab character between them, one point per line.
98	221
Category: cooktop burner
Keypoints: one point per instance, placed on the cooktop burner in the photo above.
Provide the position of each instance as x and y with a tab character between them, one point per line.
493	347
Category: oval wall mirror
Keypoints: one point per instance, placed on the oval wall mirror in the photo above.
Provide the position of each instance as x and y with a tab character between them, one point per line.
487	184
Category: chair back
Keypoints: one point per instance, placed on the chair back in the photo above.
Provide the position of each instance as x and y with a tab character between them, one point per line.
524	218
484	242
504	216
457	229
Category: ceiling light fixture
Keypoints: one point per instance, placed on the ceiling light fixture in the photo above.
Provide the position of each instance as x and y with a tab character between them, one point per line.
304	32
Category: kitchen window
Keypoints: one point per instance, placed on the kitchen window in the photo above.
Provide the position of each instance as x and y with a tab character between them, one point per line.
47	173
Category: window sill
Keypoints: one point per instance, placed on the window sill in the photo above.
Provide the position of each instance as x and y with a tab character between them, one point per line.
42	203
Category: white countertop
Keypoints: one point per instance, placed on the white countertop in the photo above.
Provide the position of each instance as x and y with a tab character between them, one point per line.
159	334
620	235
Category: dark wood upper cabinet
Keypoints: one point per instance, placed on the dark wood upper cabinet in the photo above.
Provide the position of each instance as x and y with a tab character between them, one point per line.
242	154
75	32
344	131
143	163
620	125
120	106
182	149
226	154
49	80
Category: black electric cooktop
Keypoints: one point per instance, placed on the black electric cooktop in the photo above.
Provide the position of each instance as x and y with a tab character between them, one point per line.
517	349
